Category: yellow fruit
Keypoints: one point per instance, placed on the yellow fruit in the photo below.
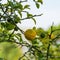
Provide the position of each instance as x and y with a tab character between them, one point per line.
30	34
52	36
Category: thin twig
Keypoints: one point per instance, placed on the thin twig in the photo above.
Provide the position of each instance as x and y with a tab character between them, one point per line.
55	30
25	53
58	36
22	1
31	17
48	52
19	28
48	48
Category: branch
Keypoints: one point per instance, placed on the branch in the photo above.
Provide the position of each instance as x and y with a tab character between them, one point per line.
36	49
48	48
31	17
52	40
55	30
58	36
25	53
22	1
48	52
19	28
23	44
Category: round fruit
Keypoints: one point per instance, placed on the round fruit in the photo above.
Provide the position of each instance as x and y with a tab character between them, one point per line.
30	34
42	35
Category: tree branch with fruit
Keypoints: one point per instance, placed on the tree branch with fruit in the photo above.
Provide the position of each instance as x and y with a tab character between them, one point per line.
39	43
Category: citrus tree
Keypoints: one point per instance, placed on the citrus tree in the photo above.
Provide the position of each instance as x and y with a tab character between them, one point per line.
42	44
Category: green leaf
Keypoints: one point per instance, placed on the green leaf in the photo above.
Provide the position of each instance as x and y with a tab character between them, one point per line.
11	4
39	31
29	15
40	56
40	1
20	13
16	19
34	20
37	5
20	6
18	36
9	26
26	6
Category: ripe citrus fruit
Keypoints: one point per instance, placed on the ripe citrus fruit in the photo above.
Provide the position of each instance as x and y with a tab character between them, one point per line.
30	34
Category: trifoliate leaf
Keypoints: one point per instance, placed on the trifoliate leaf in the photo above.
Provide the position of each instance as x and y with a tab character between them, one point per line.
34	20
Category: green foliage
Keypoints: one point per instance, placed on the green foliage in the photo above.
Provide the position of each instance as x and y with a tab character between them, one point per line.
37	5
39	30
43	47
40	1
26	6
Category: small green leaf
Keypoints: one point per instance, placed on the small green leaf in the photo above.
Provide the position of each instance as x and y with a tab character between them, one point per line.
16	36
20	6
39	31
11	4
40	1
20	13
9	26
34	20
40	56
21	38
16	19
26	6
37	5
29	15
